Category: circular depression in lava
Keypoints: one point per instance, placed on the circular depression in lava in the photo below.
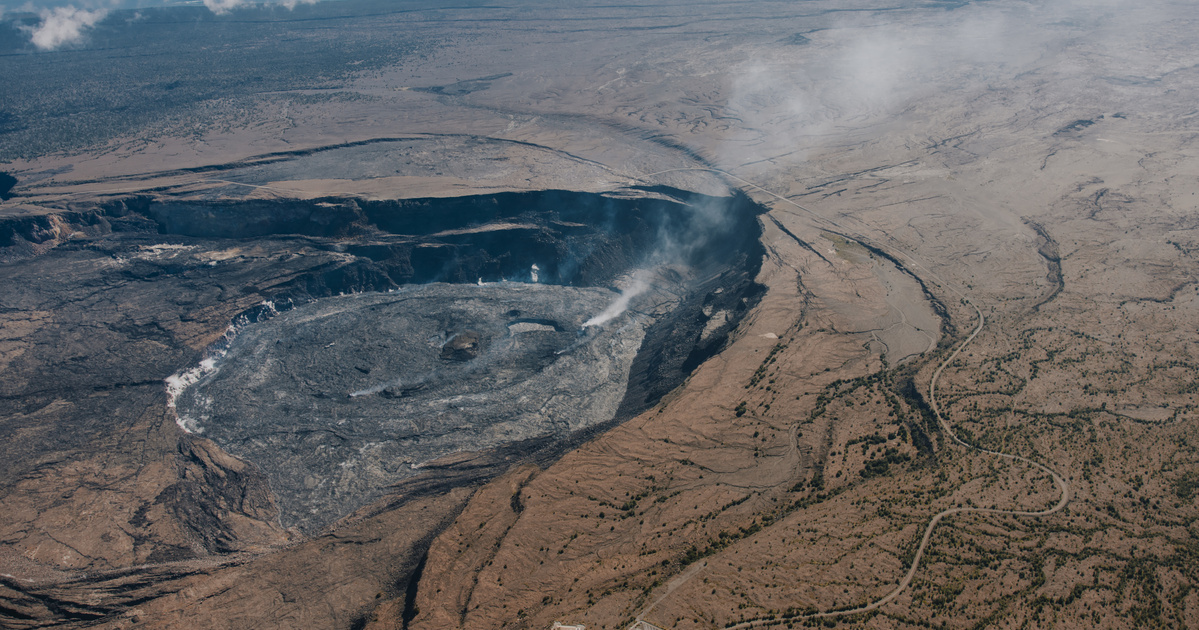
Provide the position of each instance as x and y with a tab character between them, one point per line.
344	396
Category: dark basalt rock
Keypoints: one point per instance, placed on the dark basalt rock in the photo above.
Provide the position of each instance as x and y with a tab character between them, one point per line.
1074	127
6	185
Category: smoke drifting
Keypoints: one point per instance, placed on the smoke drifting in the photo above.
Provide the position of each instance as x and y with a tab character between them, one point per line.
620	304
178	383
849	71
853	71
63	26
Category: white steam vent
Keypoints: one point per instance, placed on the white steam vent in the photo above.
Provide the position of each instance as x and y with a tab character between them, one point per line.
621	303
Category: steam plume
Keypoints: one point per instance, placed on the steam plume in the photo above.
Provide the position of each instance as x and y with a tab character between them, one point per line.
64	25
378	388
620	304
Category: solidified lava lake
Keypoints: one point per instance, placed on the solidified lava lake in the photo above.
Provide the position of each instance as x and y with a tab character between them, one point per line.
343	396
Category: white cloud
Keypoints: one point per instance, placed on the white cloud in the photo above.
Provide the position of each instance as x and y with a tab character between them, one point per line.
220	7
63	25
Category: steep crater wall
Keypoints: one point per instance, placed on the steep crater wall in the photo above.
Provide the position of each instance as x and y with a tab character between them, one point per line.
580	239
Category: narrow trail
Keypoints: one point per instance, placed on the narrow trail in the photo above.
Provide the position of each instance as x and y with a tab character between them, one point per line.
1063	486
640	623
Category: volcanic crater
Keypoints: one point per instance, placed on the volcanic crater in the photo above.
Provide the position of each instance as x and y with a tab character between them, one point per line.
503	326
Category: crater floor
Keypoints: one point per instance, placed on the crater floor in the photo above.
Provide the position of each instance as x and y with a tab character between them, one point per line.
338	399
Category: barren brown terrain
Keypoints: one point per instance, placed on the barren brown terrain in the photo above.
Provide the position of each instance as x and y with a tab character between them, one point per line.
980	238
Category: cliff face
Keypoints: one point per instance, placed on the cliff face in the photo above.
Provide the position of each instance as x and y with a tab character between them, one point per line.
6	185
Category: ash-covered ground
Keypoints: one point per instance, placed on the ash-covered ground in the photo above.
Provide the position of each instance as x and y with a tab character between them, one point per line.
338	399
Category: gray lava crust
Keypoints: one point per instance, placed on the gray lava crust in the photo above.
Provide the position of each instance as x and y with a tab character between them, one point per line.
341	398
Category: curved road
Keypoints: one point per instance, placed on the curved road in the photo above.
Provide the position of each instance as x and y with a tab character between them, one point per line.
640	623
932	524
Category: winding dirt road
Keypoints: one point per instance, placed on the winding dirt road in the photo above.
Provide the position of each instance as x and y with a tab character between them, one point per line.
932	524
639	622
